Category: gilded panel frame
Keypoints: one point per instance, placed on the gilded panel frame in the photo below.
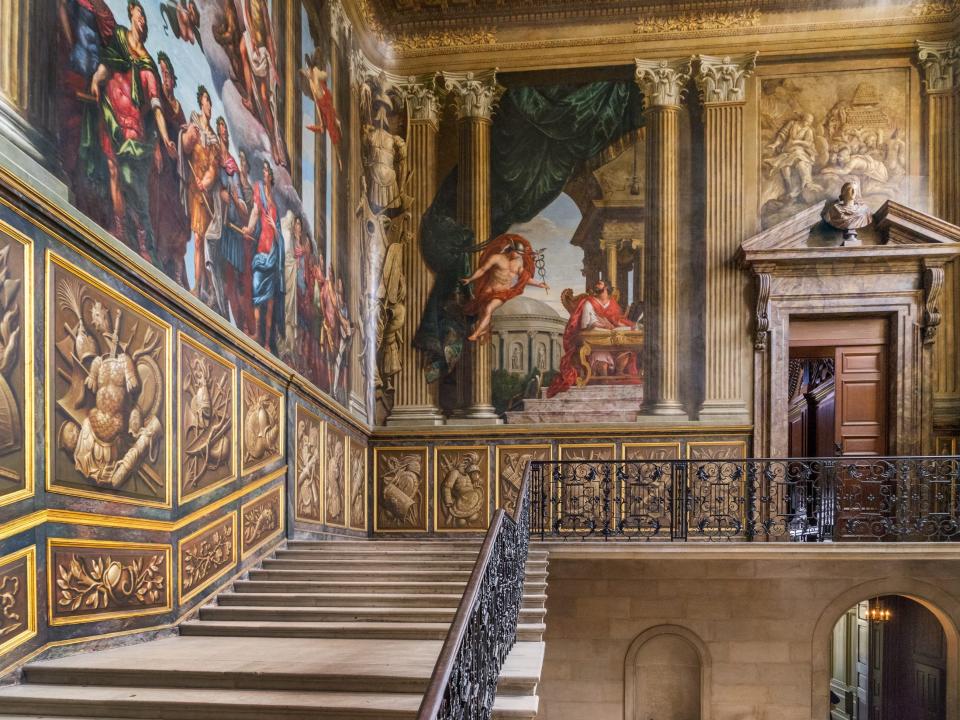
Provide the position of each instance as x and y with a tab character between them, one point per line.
181	598
165	548
53	259
30	631
28	343
281	416
301	408
182	498
621	485
366	486
563	448
281	517
330	428
421	450
497	463
437	450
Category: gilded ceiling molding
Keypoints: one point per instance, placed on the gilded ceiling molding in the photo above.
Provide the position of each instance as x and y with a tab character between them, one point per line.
940	62
693	21
475	94
663	82
400	44
723	79
935	8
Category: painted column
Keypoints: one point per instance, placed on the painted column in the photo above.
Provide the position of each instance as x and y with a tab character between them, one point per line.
610	247
940	63
663	84
28	31
722	85
475	96
415	401
360	402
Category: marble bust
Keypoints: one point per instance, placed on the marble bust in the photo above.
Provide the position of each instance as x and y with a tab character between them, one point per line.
847	214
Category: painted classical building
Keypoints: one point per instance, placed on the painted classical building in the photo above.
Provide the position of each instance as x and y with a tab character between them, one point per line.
275	278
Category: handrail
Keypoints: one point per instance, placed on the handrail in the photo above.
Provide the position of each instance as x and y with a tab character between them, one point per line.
438	690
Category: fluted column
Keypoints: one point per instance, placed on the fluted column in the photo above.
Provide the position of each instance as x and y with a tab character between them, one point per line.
610	247
361	402
27	34
663	83
475	96
415	402
940	63
722	85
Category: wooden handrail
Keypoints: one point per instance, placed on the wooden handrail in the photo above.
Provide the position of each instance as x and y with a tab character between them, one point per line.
436	689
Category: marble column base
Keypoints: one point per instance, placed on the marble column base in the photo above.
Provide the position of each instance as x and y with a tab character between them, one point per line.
477	415
725	413
35	145
666	409
413	415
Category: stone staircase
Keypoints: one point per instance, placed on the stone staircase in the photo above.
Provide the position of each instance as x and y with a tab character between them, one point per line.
321	630
588	404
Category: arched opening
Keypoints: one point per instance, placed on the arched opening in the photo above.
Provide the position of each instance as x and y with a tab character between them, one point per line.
666	676
888	660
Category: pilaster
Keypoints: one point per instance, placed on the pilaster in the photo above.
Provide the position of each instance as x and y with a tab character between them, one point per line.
663	83
722	85
360	400
475	97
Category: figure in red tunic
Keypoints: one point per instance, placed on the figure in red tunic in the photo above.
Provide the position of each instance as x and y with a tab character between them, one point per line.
597	310
505	269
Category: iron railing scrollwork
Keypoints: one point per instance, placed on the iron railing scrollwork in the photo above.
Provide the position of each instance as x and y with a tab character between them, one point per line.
786	500
464	681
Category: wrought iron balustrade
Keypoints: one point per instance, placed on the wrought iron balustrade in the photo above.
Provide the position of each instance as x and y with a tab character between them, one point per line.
464	681
784	500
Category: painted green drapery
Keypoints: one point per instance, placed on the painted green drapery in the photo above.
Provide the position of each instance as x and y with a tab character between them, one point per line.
540	136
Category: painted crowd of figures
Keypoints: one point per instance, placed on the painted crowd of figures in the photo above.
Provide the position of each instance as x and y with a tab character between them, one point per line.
213	220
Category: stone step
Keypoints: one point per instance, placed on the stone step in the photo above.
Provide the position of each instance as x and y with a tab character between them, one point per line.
233	704
376	545
388	587
400	576
359	567
527	632
343	614
395	600
598	392
328	552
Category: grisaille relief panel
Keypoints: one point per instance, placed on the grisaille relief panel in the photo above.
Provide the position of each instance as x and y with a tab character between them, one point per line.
263	420
18	601
335	478
512	461
309	466
206	555
401	489
261	520
819	131
16	374
462	488
207	425
358	485
108	409
94	580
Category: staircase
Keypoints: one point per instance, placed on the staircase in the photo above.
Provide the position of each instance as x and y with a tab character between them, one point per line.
587	404
321	630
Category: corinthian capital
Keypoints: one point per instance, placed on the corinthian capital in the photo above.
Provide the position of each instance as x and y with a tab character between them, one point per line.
940	62
475	94
663	81
422	95
723	79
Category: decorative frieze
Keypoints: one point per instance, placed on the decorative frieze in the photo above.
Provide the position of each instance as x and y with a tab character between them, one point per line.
698	21
663	82
261	520
723	79
475	95
207	555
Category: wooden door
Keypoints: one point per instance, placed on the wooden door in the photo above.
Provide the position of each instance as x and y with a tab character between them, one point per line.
930	692
861	427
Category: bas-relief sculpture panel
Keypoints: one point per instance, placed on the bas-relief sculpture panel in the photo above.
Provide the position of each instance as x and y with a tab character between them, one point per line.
207	555
184	160
108	408
207	422
462	488
308	452
512	461
262	425
261	520
358	485
91	580
18	598
335	478
818	131
400	477
16	366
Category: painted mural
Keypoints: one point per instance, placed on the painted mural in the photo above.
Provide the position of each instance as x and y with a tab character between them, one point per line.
172	119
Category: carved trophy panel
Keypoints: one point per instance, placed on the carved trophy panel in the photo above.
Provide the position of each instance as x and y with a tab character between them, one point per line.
16	366
108	412
512	461
335	478
207	555
261	520
308	466
208	429
18	599
358	485
263	422
462	488
400	489
92	580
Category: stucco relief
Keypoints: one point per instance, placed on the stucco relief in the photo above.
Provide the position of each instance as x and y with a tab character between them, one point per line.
206	414
401	489
18	621
107	378
309	466
511	464
820	131
261	520
462	499
335	478
206	555
15	334
263	421
358	486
